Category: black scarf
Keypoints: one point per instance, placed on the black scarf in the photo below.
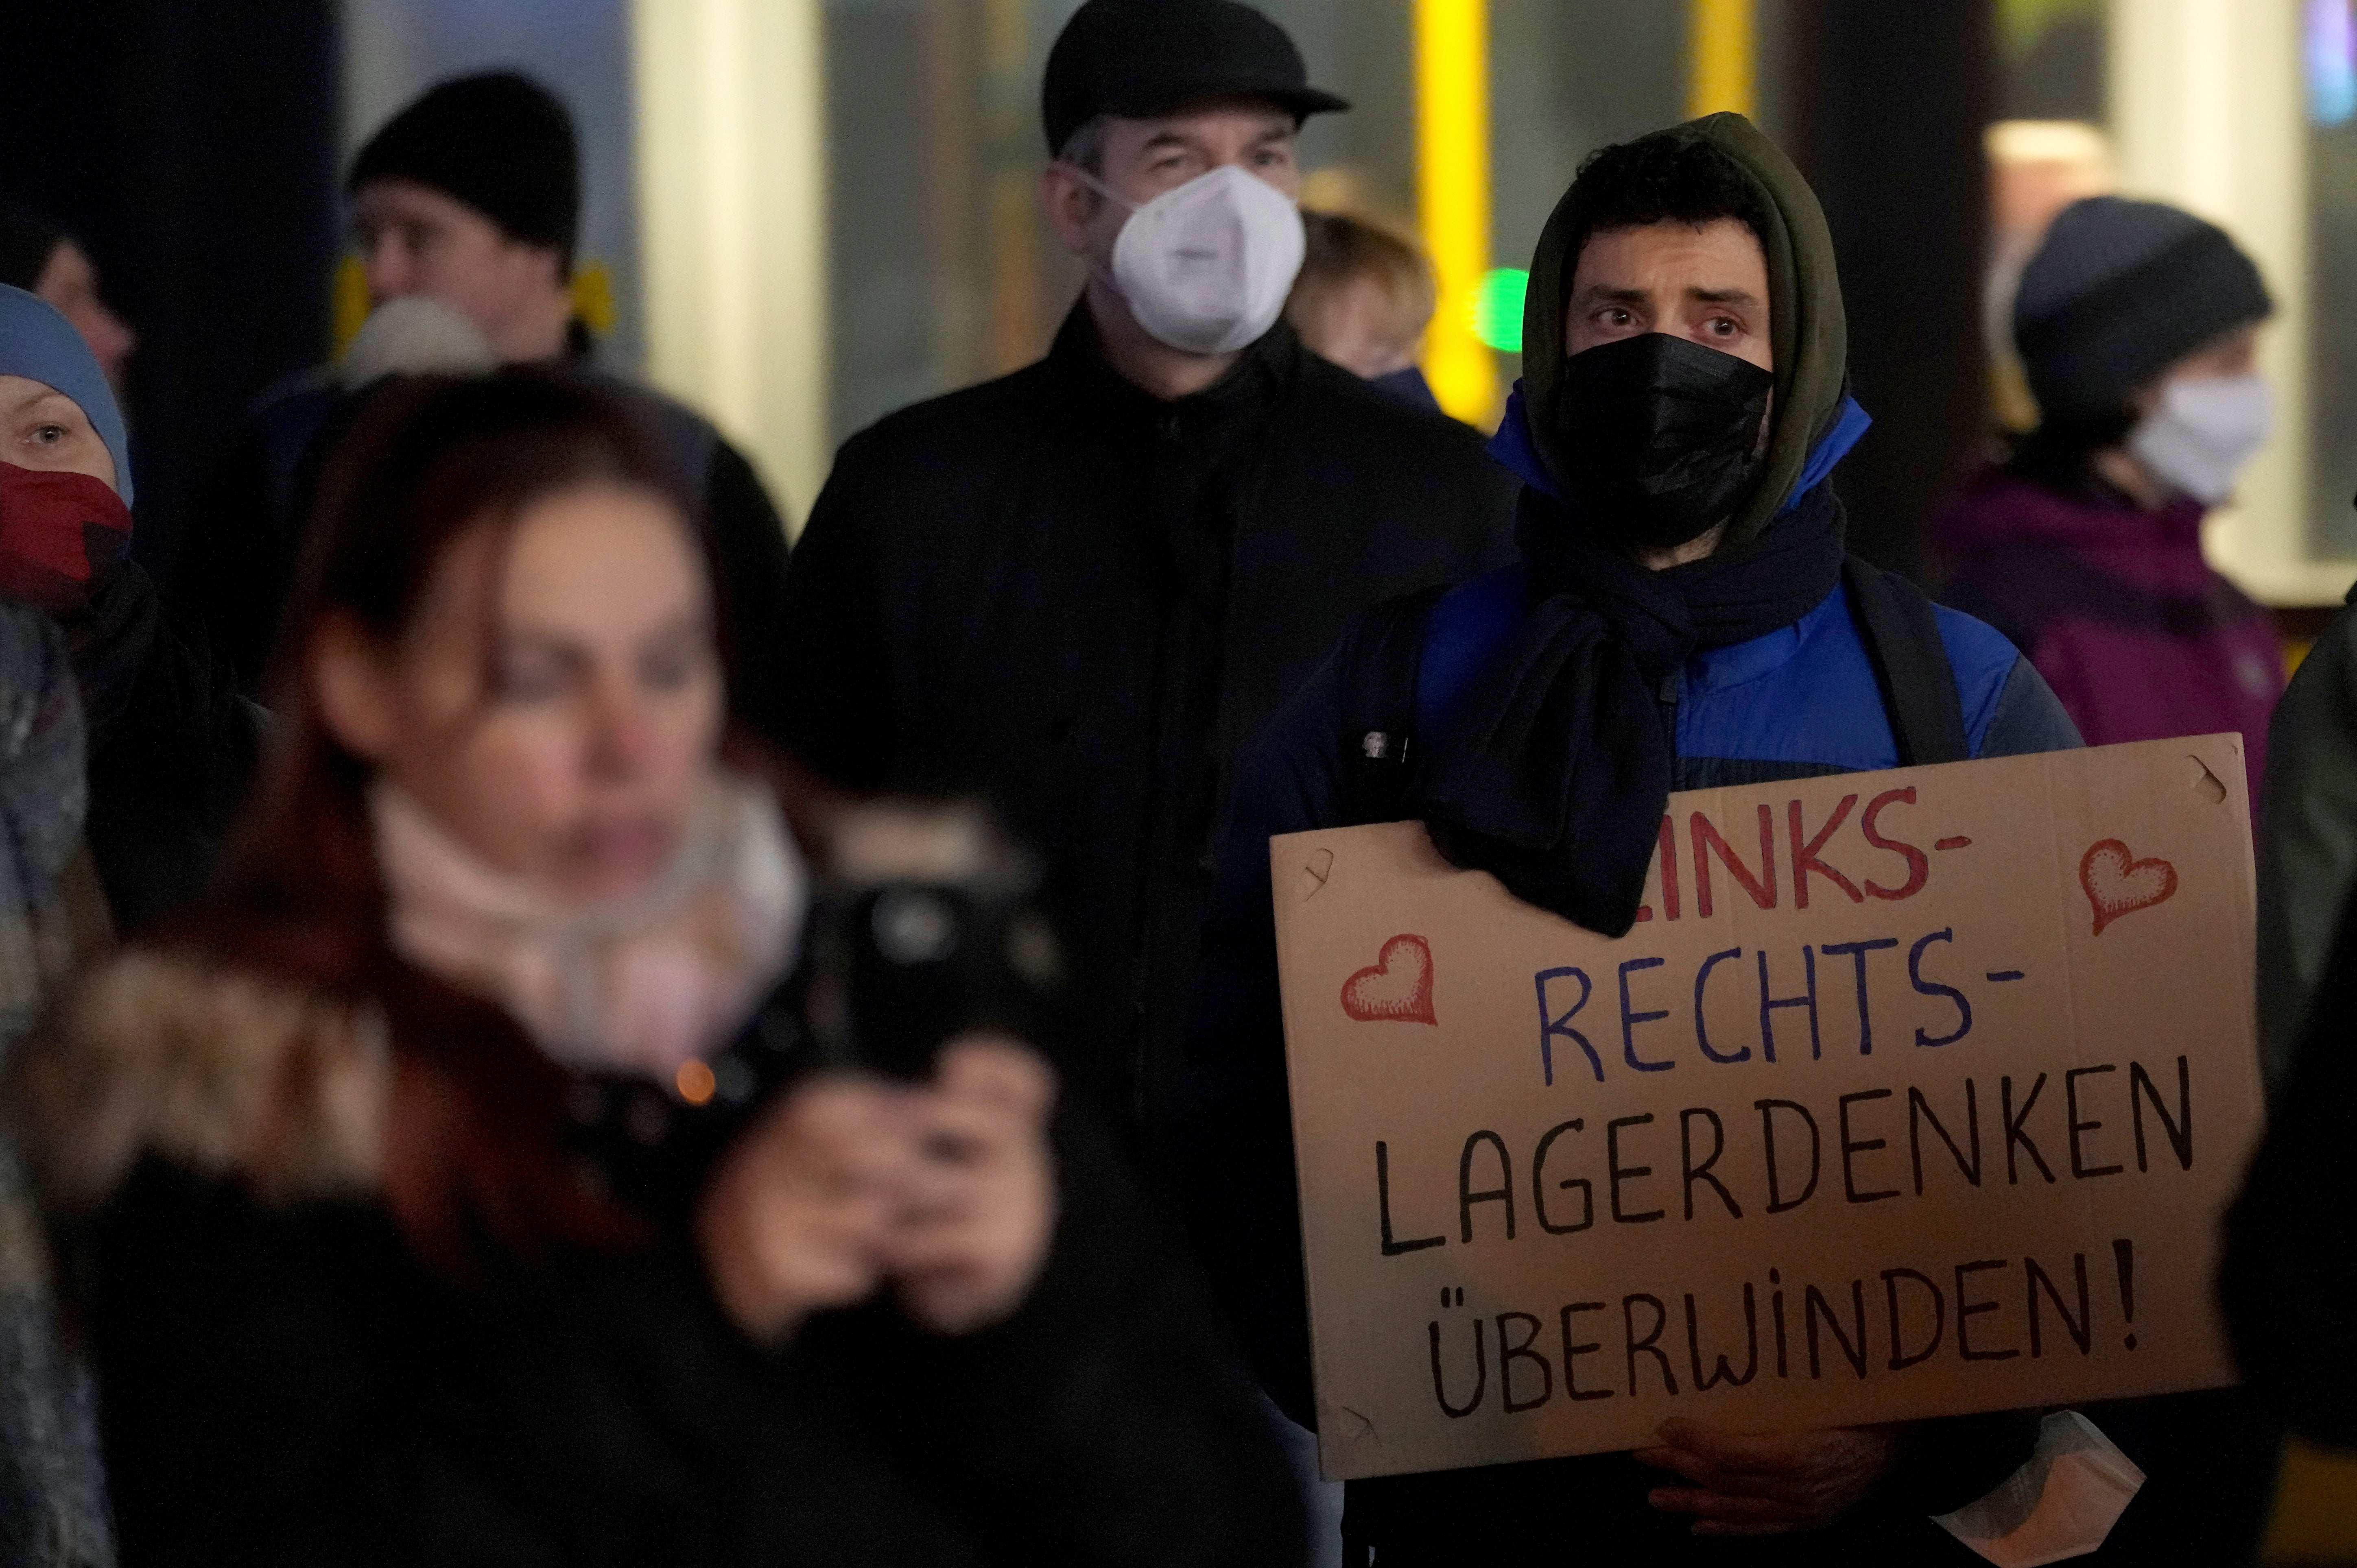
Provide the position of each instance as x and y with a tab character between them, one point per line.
1554	775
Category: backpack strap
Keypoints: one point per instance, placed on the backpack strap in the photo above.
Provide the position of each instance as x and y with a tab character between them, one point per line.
1910	665
1381	662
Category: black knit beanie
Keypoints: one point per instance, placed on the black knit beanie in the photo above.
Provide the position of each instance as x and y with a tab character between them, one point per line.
2117	292
28	241
499	142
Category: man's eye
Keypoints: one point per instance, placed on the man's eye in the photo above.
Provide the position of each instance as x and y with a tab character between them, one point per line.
1726	326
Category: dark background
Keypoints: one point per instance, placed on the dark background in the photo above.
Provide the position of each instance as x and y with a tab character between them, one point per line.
191	147
1888	104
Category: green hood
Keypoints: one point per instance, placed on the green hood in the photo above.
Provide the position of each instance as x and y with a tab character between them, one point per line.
1810	338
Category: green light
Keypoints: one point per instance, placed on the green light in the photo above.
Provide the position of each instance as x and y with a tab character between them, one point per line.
1498	308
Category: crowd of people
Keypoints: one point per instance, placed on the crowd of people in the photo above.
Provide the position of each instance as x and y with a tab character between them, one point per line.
452	1113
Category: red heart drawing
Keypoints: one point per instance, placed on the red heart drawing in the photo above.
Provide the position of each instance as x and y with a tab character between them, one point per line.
1396	988
2118	884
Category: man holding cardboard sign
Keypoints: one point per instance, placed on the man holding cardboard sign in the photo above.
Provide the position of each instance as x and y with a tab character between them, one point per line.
1683	616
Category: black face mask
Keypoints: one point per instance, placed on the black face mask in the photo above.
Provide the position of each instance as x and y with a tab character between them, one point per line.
1658	437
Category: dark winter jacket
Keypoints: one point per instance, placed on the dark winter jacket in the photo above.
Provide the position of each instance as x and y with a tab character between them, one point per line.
238	568
2307	836
168	771
52	1489
2288	1277
2140	638
1056	591
284	1382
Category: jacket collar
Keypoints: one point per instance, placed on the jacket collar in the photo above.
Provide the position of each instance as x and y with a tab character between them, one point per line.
1261	376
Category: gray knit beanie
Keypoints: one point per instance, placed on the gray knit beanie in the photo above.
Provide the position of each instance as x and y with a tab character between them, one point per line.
2117	292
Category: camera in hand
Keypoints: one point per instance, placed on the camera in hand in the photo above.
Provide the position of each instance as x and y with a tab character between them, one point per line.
925	929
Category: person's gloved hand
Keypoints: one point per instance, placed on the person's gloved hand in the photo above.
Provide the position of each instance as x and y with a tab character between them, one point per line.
978	1208
1771	1485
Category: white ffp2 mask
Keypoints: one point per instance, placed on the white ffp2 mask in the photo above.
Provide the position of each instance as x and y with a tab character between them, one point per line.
2204	431
1206	267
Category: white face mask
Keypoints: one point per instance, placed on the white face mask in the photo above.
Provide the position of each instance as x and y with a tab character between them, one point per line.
2203	432
1206	267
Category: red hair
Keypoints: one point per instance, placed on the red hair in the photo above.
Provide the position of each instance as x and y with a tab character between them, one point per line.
476	1156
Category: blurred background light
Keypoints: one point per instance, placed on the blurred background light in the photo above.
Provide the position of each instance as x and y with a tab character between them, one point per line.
2331	50
1498	308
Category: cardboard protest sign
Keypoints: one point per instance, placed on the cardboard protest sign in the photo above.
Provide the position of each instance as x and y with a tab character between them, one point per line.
1911	1094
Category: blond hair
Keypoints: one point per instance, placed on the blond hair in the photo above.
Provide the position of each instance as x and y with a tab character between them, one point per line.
1344	252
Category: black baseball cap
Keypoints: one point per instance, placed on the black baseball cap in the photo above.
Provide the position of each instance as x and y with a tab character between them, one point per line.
1138	58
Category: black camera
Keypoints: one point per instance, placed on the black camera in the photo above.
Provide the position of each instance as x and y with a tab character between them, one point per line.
925	928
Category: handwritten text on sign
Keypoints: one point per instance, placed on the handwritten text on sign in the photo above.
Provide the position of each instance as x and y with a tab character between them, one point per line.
1911	1094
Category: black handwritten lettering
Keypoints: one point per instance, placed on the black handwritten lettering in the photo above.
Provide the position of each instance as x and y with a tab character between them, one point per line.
1571	1354
1651	1344
1618	1172
2078	1166
1503	1193
1919	1111
2180	1132
2080	1329
1383	1207
1814	1306
1901	1360
1694	1173
1967	1309
1722	1372
1509	1353
1480	1374
1850	1146
1777	1203
1538	1184
2014	1135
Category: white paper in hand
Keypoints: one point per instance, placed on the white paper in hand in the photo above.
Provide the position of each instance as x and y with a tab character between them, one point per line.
2060	1505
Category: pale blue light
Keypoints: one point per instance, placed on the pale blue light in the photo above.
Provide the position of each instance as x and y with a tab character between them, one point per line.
2331	49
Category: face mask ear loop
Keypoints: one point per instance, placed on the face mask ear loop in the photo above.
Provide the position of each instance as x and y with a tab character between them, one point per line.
1101	271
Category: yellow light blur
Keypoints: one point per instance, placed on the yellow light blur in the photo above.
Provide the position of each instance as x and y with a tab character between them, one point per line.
1452	188
350	302
1722	57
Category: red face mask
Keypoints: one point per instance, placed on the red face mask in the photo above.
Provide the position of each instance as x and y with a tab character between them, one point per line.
61	536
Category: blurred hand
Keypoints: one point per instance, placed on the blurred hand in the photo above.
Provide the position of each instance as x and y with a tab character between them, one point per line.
1771	1485
794	1220
977	1207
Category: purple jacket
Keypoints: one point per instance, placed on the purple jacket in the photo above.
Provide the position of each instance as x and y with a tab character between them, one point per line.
2116	607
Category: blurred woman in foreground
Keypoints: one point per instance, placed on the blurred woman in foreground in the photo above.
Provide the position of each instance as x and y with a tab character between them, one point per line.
353	1292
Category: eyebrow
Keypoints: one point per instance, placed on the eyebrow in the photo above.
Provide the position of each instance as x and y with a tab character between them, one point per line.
1601	294
39	400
